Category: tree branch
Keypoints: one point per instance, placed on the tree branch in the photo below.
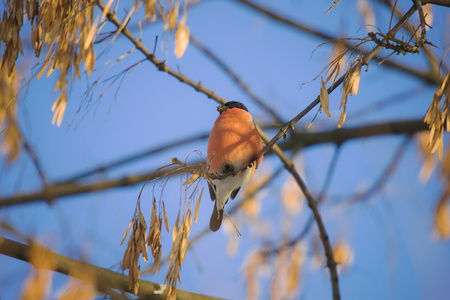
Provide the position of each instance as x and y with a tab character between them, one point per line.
445	3
72	188
338	136
235	78
160	65
296	141
427	76
104	277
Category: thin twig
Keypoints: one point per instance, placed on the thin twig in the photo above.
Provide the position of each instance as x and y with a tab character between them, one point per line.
235	78
424	75
423	24
134	157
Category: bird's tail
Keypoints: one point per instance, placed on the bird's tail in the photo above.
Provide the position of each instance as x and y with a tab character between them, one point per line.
216	218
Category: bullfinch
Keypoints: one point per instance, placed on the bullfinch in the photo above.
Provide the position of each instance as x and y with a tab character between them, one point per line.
234	145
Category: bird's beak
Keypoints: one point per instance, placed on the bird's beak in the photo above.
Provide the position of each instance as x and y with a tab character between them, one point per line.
221	108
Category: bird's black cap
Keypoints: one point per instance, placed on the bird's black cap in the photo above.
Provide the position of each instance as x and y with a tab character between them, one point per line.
231	104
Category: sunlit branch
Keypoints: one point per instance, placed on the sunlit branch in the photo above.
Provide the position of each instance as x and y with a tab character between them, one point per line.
427	76
290	166
160	65
105	279
445	3
338	136
432	76
136	156
222	65
296	141
73	188
271	250
290	125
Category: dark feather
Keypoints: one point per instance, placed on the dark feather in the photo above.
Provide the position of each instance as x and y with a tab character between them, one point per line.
216	219
234	193
212	192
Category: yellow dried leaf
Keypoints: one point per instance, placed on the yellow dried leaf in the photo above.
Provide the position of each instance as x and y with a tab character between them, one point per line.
126	232
81	286
342	254
141	218
342	118
89	62
181	38
292	196
39	282
90	36
150	6
48	59
175	228
183	248
344	95
106	10
294	271
324	99
442	219
59	108
78	290
166	220
190	179
173	16
428	167
197	206
353	83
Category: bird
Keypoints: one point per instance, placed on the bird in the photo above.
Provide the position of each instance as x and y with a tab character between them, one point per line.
234	146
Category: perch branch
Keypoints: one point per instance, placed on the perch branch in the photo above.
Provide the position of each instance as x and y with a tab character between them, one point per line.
104	277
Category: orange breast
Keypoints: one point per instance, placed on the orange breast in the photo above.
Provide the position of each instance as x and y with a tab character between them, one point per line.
234	139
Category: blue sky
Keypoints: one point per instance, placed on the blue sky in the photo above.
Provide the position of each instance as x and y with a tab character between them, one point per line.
395	254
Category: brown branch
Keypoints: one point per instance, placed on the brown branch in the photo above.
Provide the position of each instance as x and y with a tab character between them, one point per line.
235	78
290	125
427	76
104	278
422	22
271	250
445	3
72	188
272	144
297	140
290	166
160	65
139	155
300	140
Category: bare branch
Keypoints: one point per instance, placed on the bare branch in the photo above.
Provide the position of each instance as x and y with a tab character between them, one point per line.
106	279
235	77
445	3
424	75
300	140
160	65
136	156
296	141
73	188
